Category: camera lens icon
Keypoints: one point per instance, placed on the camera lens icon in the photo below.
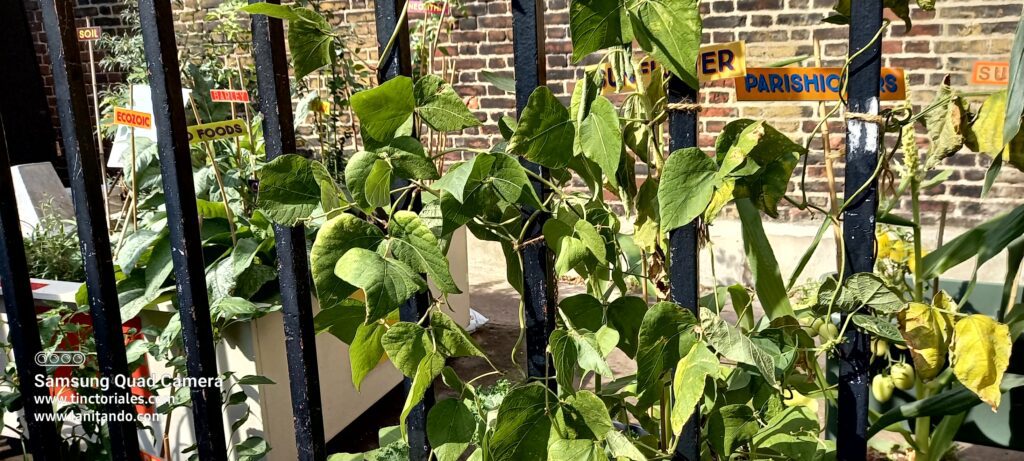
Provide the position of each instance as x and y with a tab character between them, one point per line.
60	359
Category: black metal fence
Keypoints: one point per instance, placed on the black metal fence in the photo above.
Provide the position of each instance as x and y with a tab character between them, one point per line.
540	295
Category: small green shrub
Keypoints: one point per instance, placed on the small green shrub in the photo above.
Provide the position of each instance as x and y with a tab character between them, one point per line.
52	249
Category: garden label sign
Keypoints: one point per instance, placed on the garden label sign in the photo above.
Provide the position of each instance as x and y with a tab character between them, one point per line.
717	62
132	118
86	34
229	95
809	84
216	130
990	73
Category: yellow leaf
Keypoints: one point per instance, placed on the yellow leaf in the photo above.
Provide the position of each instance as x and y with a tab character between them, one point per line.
980	354
927	331
987	132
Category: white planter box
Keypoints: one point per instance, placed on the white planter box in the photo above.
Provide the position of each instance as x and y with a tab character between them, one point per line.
259	348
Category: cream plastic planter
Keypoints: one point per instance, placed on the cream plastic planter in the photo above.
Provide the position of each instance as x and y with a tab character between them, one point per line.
258	348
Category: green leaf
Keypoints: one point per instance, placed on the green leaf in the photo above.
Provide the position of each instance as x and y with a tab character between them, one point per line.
501	82
595	25
450	428
451	338
763	266
868	289
252	449
289	191
670	30
1015	92
160	265
734	345
879	327
463	179
406	344
365	351
585	412
692	372
414	244
666	333
440	106
429	368
357	170
792	433
509	180
545	133
625	315
583	311
310	41
601	137
522	427
232	306
335	238
730	426
387	282
770	156
275	11
341	320
331	197
564	357
620	447
255	380
686	187
382	110
570	251
407	158
575	450
378	185
984	241
135	245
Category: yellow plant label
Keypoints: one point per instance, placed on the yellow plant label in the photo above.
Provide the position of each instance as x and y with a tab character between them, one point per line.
132	118
216	130
717	62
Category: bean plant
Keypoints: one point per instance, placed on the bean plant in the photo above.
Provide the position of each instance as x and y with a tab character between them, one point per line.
381	237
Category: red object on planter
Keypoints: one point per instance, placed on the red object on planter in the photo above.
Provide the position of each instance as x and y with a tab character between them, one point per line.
72	341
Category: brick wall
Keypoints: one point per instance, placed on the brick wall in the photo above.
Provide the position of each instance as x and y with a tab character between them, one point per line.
101	13
943	42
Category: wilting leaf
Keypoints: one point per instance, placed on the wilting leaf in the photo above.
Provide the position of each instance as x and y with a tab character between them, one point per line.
927	332
980	354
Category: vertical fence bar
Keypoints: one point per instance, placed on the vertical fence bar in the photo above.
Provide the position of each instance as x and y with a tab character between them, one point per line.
43	440
540	289
293	264
398	61
684	272
862	146
90	214
157	23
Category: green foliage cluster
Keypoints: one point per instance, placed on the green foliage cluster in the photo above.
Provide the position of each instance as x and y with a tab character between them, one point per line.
52	250
756	381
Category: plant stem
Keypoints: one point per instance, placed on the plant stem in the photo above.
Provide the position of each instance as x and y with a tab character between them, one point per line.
915	203
922	425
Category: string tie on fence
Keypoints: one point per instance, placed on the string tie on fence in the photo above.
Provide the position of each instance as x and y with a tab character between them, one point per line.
684	107
869	118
